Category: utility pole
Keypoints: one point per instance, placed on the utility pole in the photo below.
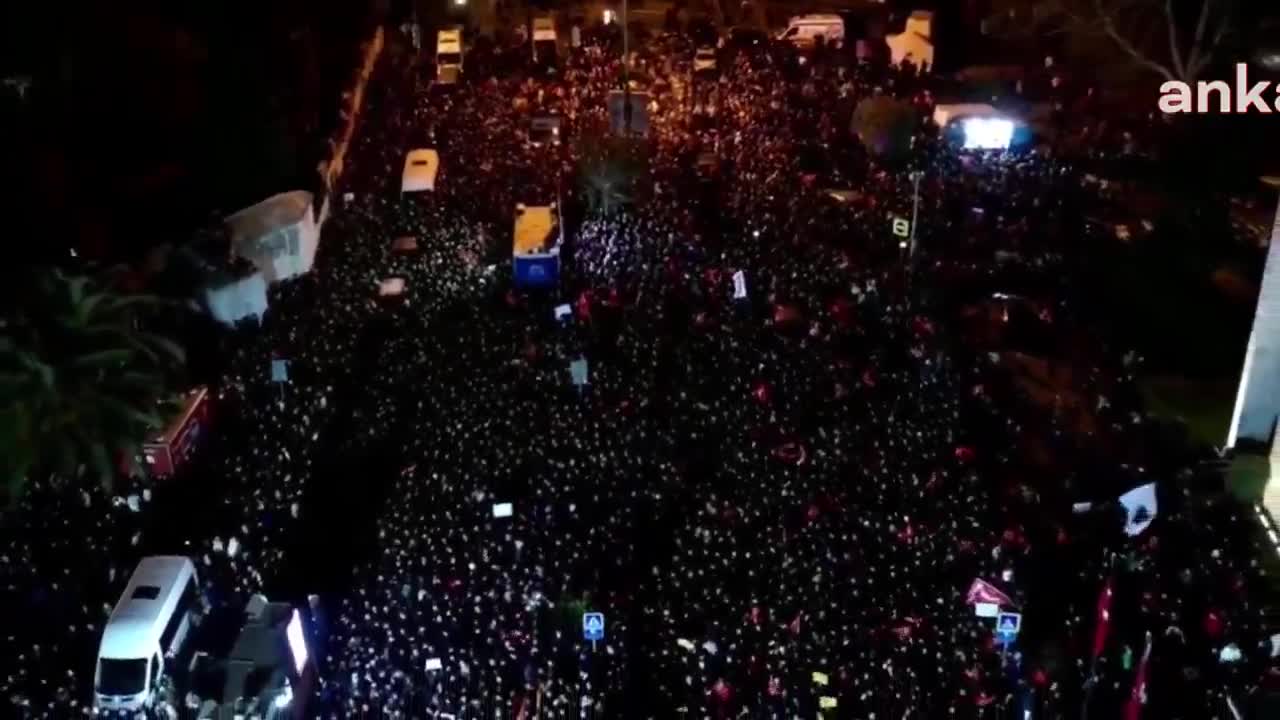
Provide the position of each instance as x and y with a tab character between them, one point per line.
626	70
916	175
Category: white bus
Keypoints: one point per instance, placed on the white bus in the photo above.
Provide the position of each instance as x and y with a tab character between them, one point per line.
448	56
149	625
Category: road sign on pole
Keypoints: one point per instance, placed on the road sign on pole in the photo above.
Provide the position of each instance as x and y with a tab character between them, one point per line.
593	627
901	227
1007	625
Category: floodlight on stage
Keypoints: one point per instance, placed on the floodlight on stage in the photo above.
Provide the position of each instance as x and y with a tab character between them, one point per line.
987	133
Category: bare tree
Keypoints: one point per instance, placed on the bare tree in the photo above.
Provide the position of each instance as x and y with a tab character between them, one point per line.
1175	39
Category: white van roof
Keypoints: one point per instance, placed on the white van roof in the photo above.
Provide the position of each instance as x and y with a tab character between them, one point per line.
420	169
816	19
134	628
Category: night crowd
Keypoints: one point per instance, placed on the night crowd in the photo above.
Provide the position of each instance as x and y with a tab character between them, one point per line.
799	443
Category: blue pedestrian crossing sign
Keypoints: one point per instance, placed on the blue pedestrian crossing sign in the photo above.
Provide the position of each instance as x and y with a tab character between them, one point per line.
1008	624
279	370
592	626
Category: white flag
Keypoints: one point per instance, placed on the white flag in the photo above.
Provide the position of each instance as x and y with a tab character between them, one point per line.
502	510
986	610
739	285
1081	507
1140	508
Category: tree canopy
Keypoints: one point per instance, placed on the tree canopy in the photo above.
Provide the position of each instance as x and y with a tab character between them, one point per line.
1172	39
81	383
885	126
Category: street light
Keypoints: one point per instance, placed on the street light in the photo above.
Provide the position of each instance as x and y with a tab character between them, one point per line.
1269	58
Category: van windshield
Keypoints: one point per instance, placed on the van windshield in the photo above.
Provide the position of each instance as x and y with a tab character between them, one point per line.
121	677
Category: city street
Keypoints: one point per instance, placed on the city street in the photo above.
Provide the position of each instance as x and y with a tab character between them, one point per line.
778	398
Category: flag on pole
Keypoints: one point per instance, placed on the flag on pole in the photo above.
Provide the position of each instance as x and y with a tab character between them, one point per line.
1140	508
1138	698
1104	620
578	371
981	591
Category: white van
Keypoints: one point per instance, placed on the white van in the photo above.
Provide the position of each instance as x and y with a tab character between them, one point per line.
803	30
544	40
148	627
448	56
420	169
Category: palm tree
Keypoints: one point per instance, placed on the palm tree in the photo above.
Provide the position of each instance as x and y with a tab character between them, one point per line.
81	383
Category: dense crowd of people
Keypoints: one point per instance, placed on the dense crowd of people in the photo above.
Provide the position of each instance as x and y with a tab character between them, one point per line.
796	448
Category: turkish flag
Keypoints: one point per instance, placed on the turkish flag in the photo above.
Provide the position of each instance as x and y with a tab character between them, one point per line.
965	454
722	691
1213	624
775	687
981	591
1138	698
785	314
842	312
1104	620
791	452
794	625
906	534
584	305
762	392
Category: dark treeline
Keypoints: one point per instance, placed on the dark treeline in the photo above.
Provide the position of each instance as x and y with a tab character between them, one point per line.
142	120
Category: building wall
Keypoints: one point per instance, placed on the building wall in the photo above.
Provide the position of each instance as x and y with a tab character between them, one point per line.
1258	397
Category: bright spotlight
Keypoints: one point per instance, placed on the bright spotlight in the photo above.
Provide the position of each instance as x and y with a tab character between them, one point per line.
609	17
297	642
987	133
